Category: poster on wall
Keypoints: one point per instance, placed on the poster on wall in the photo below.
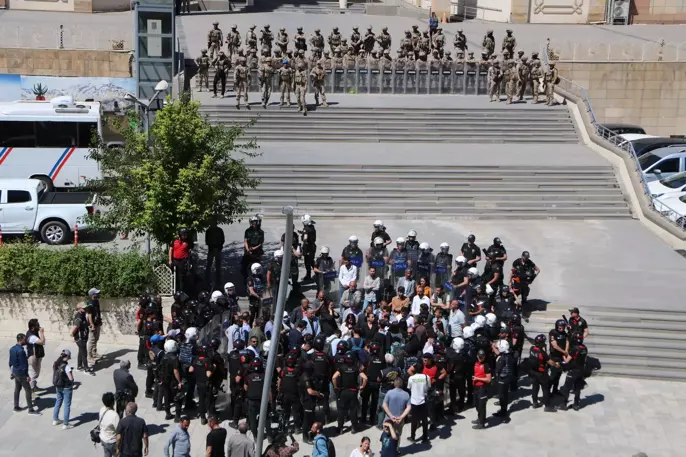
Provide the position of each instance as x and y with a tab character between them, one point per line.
110	92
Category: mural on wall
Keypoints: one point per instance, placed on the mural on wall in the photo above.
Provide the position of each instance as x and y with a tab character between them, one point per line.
107	91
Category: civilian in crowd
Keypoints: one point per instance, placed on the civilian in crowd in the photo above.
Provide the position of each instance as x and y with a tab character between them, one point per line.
179	440
319	443
372	284
397	406
419	385
456	320
239	445
19	371
279	448
95	323
400	301
125	387
63	378
216	438
35	349
407	283
80	332
132	434
389	440
346	275
364	450
108	420
419	299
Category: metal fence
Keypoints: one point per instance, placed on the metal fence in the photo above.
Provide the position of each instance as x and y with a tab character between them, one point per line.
164	279
671	215
623	51
65	37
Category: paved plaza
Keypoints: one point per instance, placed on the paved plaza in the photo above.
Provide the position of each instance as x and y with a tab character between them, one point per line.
619	417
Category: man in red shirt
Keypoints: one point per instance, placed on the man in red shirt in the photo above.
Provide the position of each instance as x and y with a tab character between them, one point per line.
481	381
179	259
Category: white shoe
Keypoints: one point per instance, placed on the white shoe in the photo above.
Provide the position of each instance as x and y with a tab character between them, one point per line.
67	427
57	422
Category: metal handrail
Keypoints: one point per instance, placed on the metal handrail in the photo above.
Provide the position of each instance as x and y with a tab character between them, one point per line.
673	216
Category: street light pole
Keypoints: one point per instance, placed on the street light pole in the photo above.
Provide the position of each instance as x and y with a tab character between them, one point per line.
278	320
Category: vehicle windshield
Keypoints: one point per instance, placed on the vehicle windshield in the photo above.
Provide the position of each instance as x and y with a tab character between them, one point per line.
648	160
675	181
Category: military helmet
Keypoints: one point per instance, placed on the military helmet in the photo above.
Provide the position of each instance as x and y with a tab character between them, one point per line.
317	30
234	27
356	28
266	26
407	32
326	53
385	29
215	23
471	53
534	54
489	32
506	52
415	27
460	31
253	27
508	31
204	51
344	40
335	29
369	28
282	29
361	52
524	58
551	64
300	29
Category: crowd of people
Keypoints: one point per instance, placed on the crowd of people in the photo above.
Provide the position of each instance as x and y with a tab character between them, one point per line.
287	59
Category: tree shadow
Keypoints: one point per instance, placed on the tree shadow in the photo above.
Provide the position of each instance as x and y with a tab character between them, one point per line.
156	429
533	305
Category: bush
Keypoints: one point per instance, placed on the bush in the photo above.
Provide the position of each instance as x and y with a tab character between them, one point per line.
27	267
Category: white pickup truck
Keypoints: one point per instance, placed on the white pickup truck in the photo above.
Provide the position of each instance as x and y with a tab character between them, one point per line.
26	207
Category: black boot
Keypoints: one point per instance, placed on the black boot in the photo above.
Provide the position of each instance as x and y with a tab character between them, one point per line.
577	406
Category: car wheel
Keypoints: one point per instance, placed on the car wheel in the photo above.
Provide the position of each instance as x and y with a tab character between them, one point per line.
681	222
54	232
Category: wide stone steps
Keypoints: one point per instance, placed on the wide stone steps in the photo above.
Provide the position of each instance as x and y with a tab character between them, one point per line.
628	342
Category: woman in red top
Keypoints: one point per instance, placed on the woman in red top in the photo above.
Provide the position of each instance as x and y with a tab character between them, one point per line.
179	258
481	380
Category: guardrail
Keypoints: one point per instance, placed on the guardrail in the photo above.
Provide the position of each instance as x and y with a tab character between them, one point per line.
471	12
623	51
64	37
668	213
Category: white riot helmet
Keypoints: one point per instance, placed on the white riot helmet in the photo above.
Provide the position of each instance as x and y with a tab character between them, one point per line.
445	247
424	246
503	346
170	346
480	321
490	319
489	289
255	268
324	250
400	240
228	286
306	219
266	346
378	223
215	295
378	242
461	260
278	253
467	332
412	234
191	333
457	344
474	327
353	239
473	271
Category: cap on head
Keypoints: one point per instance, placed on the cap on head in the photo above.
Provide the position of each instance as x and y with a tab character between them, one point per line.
574	310
93	292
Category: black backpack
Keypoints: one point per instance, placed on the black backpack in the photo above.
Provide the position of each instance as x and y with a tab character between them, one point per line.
57	374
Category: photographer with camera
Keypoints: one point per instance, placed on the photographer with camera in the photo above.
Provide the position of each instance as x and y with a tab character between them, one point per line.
278	448
125	388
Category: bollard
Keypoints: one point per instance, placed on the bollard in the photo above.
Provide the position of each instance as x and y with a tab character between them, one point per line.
76	235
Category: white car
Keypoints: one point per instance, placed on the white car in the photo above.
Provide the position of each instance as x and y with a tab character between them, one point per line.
668	187
673	208
628	137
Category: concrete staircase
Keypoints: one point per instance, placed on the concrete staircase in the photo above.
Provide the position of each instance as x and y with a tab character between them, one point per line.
628	342
319	7
418	125
477	192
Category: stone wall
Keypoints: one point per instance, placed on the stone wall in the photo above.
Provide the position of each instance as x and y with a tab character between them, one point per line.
658	12
649	94
42	62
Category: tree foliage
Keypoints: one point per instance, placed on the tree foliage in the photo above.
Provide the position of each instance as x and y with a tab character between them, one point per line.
190	173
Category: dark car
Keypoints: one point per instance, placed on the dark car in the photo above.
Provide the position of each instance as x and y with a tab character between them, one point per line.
646	145
621	129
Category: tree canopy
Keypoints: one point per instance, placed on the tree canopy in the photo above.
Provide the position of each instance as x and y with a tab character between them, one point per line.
190	174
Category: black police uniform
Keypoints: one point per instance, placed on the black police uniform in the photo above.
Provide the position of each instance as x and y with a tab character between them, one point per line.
255	237
496	250
457	278
155	356
169	384
294	271
504	305
309	403
382	234
523	274
216	380
324	264
185	357
275	273
236	387
457	370
150	328
538	364
556	356
259	284
309	248
504	371
469	353
290	398
518	335
575	375
201	365
577	325
322	376
492	267
347	400
370	394
470	252
254	382
125	389
355	255
424	266
437	408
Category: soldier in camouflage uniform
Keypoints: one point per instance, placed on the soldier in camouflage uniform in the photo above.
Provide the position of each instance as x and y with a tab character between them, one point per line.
536	73
470	60
300	40
550	78
523	77
416	36
511	75
373	60
241	77
282	40
489	43
344	46
447	61
266	38
459	56
222	65
520	54
509	42
337	60
300	86
484	59
253	62
406	45
326	61
317	42
460	41
285	83
278	59
334	39
424	45
300	58
361	59
204	63
251	38
384	39
215	40
318	75
266	76
369	41
356	40
233	41
400	60
495	76
439	41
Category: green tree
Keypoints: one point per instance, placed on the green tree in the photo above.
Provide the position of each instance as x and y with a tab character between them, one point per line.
190	173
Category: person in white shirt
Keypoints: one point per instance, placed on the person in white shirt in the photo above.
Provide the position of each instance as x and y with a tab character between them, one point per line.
418	300
364	450
419	385
109	419
456	320
347	273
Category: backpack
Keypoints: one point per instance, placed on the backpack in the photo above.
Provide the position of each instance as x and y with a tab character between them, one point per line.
398	352
330	448
357	344
57	378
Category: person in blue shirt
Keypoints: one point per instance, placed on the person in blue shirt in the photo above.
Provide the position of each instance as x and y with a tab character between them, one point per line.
19	367
319	448
433	24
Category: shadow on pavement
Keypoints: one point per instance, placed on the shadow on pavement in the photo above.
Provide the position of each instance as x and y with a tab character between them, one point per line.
156	429
110	359
83	419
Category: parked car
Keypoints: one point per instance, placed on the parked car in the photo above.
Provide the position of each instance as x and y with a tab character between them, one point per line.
27	207
631	137
668	187
621	129
673	208
657	165
645	145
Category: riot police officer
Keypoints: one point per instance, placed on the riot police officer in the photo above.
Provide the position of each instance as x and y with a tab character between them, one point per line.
170	382
425	262
524	271
497	251
325	270
322	369
575	362
274	272
471	251
236	375
517	335
398	260
380	231
559	349
140	329
202	369
219	373
156	354
459	280
504	371
289	394
256	290
253	384
457	370
481	380
309	396
539	361
493	273
378	257
353	252
187	350
504	303
296	253
370	394
443	264
253	242
347	382
309	247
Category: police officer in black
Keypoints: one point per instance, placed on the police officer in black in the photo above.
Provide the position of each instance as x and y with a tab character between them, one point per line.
504	303
143	301
559	349
457	370
236	374
459	280
324	265
437	412
253	242
339	359
524	271
125	388
309	247
171	381
380	231
253	384
219	373
347	382
352	252
35	349
187	351
504	371
323	369
577	324
539	361
289	394
497	251
202	368
257	286
373	367
155	356
517	338
575	363
296	253
309	396
493	272
471	251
